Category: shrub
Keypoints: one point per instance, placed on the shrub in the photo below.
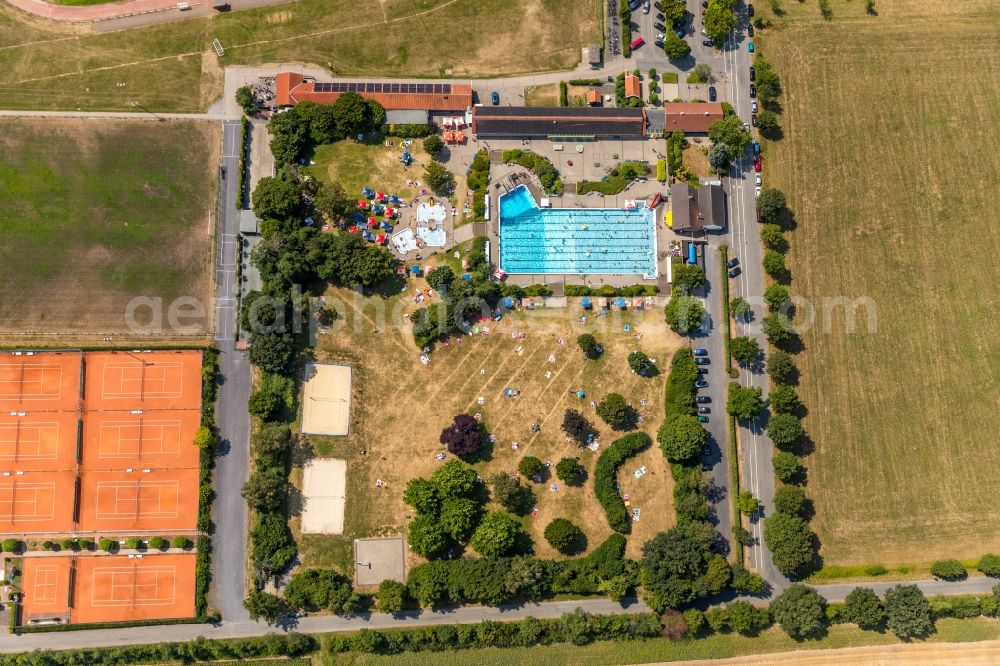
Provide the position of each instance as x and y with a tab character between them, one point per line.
863	608
181	542
875	570
565	537
746	619
392	596
464	437
605	482
48	545
319	589
800	611
133	543
70	544
427	537
989	564
908	612
616	412
531	467
433	145
496	535
107	545
948	570
568	471
588	344
11	545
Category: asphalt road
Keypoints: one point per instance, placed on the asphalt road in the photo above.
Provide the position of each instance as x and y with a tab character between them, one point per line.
229	558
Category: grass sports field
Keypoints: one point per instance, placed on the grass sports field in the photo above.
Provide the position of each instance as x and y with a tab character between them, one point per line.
95	214
890	162
172	67
399	408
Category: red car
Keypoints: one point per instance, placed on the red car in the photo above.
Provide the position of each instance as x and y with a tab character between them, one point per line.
637	42
757	165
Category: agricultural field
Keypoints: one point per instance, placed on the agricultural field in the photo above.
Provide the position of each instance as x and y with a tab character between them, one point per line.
93	215
400	406
889	159
171	67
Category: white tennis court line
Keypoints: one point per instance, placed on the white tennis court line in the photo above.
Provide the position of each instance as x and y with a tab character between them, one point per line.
15	496
14	387
146	381
121	495
45	590
17	443
161	437
119	582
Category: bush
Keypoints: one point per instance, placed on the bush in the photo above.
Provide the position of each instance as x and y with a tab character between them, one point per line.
107	545
433	145
746	619
800	611
392	596
11	545
605	481
787	467
863	608
427	537
531	467
464	437
319	589
181	542
133	543
547	174
157	543
565	537
948	570
616	412
989	564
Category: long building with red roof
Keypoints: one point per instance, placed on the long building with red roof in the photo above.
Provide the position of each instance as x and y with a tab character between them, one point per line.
292	88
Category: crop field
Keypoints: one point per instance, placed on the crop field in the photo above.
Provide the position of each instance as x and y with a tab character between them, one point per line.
93	215
399	408
163	67
889	159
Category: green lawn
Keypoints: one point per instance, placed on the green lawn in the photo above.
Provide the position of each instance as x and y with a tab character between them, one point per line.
357	165
162	66
93	215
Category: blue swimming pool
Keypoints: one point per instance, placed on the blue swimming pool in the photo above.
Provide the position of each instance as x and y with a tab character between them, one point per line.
575	240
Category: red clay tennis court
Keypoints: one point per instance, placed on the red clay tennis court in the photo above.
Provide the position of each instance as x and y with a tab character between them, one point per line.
40	502
123	501
108	588
40	381
155	438
38	441
143	380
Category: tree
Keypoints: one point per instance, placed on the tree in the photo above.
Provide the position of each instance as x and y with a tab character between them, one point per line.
675	47
459	517
791	543
774	265
464	437
745	582
244	97
204	438
684	314
565	537
719	156
266	488
616	412
181	542
639	363
784	399
747	503
745	350
768	82
673	10
423	496
332	201
392	596
863	608
786	466
730	131
908	612
433	145
272	352
496	535
275	198
744	402
746	619
672	561
780	367
531	467
801	612
318	589
770	204
568	471
264	606
682	438
949	570
777	328
427	537
439	179
785	430
767	122
454	479
588	344
790	499
440	278
702	73
739	307
773	238
353	261
577	427
687	278
719	21
511	495
776	296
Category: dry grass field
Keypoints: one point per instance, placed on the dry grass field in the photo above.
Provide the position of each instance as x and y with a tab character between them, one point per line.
890	160
400	407
93	215
45	65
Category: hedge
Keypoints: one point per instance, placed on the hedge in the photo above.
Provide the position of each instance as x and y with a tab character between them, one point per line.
405	131
52	628
678	398
241	185
605	481
661	170
563	94
585	82
540	165
206	492
608	290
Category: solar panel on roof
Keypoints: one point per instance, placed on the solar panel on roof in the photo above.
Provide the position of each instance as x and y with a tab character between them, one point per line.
447	88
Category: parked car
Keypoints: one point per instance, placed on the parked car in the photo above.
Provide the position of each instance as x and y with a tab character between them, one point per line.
700	352
750	47
658	5
757	164
756	192
757	179
733	272
702	360
634	5
704	410
702	370
660	27
733	263
712	94
637	42
660	37
753	91
708	42
756	148
753	106
753	119
495	97
704	5
645	7
660	17
749	29
703	419
701	383
703	399
659	43
753	73
746	126
750	9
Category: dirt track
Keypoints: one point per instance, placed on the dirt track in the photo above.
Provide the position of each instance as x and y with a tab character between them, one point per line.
925	654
